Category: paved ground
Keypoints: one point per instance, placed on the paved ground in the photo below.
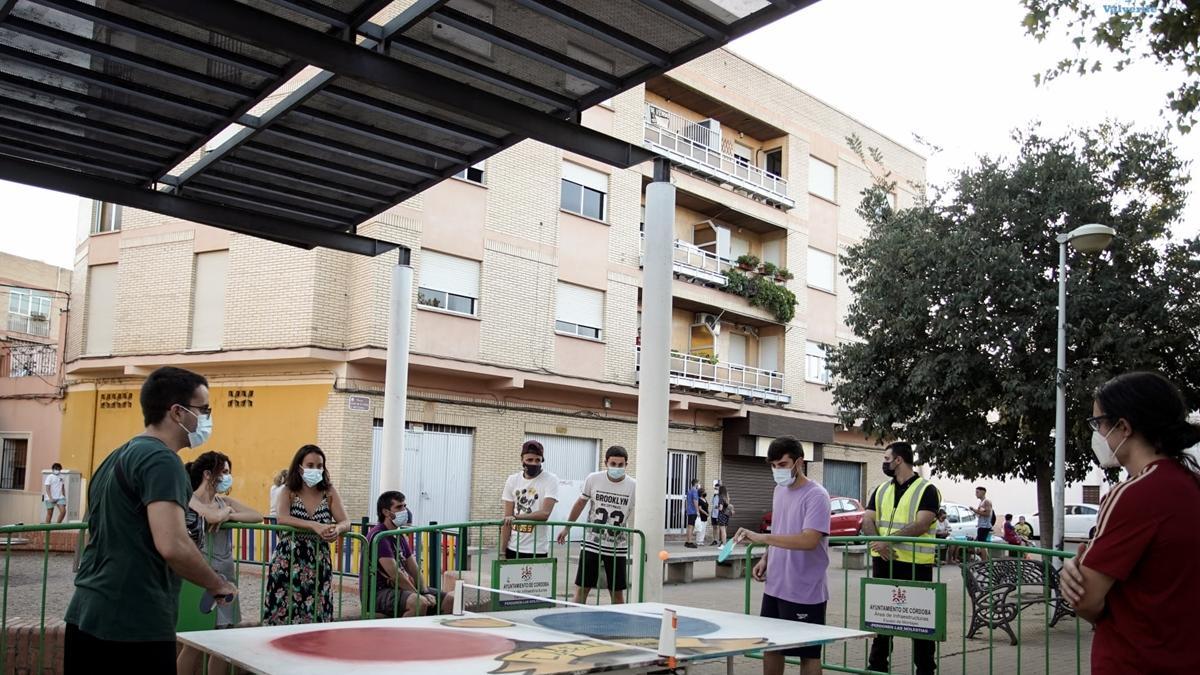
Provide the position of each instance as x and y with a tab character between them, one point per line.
24	591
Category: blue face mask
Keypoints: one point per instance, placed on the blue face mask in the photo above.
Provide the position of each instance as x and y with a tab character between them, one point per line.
400	518
616	472
313	476
203	430
225	482
783	477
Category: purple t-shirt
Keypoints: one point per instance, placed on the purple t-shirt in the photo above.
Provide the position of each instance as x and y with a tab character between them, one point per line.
387	549
799	576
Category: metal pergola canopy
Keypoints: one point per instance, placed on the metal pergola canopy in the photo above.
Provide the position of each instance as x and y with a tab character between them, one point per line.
341	108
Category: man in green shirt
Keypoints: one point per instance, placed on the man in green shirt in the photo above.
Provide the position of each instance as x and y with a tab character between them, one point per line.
127	590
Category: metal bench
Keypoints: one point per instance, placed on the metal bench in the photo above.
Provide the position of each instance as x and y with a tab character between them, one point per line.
1001	588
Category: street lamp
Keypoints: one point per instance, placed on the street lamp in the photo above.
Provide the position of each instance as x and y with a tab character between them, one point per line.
1085	239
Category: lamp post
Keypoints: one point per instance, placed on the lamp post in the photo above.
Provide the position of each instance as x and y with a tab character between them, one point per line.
1085	239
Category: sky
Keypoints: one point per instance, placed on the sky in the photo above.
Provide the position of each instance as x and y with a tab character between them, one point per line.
959	74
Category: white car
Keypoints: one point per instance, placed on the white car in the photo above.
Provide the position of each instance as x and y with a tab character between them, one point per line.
1079	521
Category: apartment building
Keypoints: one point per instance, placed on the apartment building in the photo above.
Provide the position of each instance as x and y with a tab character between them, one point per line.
527	310
35	297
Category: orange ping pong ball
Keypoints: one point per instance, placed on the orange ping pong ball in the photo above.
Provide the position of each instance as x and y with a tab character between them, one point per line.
663	555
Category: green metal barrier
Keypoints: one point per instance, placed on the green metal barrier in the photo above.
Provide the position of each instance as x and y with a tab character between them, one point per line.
10	535
990	603
487	534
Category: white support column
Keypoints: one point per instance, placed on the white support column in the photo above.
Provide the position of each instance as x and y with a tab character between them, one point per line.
395	389
653	388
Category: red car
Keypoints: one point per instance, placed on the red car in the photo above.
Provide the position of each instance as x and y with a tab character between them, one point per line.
846	516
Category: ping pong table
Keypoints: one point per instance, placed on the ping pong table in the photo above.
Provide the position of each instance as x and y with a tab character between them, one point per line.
608	638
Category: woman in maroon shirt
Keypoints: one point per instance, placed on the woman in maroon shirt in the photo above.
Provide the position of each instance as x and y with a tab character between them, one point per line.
1139	579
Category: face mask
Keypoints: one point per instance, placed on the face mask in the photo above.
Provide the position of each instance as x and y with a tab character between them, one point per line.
888	470
616	472
56	472
532	470
225	482
400	518
1105	456
203	430
313	476
783	477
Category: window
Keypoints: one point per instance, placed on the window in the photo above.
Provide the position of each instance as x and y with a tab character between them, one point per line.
29	311
1091	494
12	463
579	86
816	366
744	154
773	160
583	191
448	283
101	299
822	272
476	173
105	217
208	300
462	39
579	311
822	179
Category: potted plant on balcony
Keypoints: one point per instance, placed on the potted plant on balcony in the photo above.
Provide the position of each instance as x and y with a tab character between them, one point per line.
747	262
768	269
783	274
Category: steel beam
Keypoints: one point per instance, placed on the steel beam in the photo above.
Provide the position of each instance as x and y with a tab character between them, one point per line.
585	23
224	217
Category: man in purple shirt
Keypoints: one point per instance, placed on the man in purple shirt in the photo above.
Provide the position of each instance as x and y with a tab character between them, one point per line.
397	574
796	561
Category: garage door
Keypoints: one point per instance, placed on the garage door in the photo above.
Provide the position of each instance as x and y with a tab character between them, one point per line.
571	458
750	486
435	477
843	479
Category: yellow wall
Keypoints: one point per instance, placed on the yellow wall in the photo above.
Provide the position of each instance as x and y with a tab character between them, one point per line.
260	440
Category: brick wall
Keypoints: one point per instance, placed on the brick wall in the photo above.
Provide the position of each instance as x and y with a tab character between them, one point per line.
269	295
518	291
154	293
25	649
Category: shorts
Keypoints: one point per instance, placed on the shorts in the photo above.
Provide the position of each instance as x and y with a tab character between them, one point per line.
722	519
587	575
983	534
691	519
386	601
510	554
774	608
83	651
51	503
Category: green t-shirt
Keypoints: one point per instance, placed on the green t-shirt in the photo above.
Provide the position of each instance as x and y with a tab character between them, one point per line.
124	590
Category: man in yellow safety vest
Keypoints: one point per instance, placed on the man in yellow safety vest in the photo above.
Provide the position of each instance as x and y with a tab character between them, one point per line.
905	506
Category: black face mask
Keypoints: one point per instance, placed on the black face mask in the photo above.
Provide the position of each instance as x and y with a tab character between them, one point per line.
888	470
532	470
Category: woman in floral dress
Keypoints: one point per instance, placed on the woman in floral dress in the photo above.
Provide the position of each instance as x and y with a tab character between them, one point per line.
300	563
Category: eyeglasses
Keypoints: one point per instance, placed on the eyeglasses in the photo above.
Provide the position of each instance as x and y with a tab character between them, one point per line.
1094	422
204	410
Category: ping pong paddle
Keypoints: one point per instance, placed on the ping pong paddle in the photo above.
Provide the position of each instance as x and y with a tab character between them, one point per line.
726	549
208	600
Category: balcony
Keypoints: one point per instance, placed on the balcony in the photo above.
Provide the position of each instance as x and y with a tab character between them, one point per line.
701	374
703	151
696	264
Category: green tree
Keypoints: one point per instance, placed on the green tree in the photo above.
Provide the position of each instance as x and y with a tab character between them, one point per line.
1167	31
956	302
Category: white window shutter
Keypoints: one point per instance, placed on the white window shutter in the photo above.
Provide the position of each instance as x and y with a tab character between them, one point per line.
822	272
580	306
768	353
448	273
586	177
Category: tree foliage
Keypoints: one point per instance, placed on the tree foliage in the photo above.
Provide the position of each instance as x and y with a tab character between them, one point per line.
1167	31
956	301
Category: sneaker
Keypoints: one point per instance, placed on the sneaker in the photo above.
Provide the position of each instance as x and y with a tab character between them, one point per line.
689	545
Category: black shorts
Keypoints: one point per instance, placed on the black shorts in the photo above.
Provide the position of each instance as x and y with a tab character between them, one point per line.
983	534
691	520
510	554
392	601
83	651
587	575
774	608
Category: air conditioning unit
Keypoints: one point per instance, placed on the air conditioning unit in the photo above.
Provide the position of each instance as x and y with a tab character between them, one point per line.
711	321
713	139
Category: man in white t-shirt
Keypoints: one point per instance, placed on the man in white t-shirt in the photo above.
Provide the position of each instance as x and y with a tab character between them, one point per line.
54	493
529	494
610	493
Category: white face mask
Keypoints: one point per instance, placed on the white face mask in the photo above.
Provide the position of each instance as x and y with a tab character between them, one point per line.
783	477
203	430
313	476
1106	457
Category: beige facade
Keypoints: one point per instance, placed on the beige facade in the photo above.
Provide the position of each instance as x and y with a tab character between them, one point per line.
527	316
34	297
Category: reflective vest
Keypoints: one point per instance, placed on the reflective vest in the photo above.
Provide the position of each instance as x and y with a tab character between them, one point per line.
891	517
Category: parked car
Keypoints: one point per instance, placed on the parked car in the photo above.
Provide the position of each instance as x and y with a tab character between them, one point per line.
964	522
845	520
1079	522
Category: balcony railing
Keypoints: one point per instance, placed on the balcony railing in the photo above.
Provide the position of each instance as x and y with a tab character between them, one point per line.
689	260
28	359
702	149
696	372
